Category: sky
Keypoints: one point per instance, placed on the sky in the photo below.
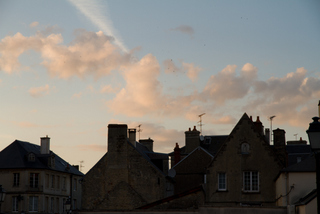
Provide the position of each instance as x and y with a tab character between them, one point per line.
68	68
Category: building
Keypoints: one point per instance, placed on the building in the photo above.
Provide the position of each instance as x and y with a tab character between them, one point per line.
37	180
128	176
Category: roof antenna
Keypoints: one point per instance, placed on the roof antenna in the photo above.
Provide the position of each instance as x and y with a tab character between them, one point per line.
295	136
139	130
200	121
271	134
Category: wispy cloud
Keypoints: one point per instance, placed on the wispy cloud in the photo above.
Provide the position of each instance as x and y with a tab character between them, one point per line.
95	11
39	91
185	29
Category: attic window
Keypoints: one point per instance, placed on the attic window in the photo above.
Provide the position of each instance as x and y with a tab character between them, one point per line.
207	141
245	148
31	157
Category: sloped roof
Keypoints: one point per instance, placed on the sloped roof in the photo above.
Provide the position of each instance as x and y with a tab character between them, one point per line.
306	165
306	199
14	156
215	143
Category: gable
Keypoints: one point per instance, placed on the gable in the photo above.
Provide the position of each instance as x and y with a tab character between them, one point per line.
196	162
245	141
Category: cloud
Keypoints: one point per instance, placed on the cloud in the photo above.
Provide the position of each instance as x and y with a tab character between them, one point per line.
227	85
34	24
185	29
39	91
189	68
95	11
89	54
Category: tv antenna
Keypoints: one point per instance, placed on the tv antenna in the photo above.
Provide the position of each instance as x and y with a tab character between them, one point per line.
139	129
200	121
296	135
271	118
81	165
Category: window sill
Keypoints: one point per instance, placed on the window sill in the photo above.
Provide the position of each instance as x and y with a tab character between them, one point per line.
251	192
221	190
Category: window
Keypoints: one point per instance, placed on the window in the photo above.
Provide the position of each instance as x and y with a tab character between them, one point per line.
16	179
245	148
31	157
58	182
15	204
75	184
52	205
64	183
251	181
52	181
33	204
222	182
47	180
34	180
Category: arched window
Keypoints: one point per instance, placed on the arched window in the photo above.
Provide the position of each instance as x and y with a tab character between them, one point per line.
245	148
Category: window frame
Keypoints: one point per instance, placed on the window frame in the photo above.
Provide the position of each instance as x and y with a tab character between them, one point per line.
34	180
33	203
16	179
224	179
15	204
253	181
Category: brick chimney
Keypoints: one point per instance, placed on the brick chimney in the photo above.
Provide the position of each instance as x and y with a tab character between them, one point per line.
192	139
147	143
132	136
177	154
45	145
259	125
267	134
279	142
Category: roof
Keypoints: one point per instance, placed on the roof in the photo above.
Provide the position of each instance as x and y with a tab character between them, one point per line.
306	165
306	199
213	143
14	156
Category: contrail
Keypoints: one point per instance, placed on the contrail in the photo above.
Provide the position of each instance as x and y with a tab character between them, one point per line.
95	12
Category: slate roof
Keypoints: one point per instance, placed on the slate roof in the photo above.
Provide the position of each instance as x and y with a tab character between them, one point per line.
306	199
15	155
307	165
213	143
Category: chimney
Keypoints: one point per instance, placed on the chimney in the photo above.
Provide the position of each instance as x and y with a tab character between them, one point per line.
267	135
259	125
177	154
147	143
279	142
132	136
319	108
45	145
192	139
117	145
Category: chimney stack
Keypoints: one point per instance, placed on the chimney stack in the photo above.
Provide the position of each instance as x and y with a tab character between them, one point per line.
319	108
267	134
279	142
45	145
147	143
192	139
132	136
177	154
259	125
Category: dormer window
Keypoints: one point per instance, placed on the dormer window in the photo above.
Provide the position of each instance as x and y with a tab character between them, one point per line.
31	157
245	148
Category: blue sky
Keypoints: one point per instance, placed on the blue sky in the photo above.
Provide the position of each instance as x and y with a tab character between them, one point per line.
69	68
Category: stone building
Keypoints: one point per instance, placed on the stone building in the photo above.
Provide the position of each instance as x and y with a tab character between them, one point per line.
128	176
244	170
37	180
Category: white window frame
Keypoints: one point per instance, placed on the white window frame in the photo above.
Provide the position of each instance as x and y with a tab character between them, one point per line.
33	203
15	204
250	175
222	186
